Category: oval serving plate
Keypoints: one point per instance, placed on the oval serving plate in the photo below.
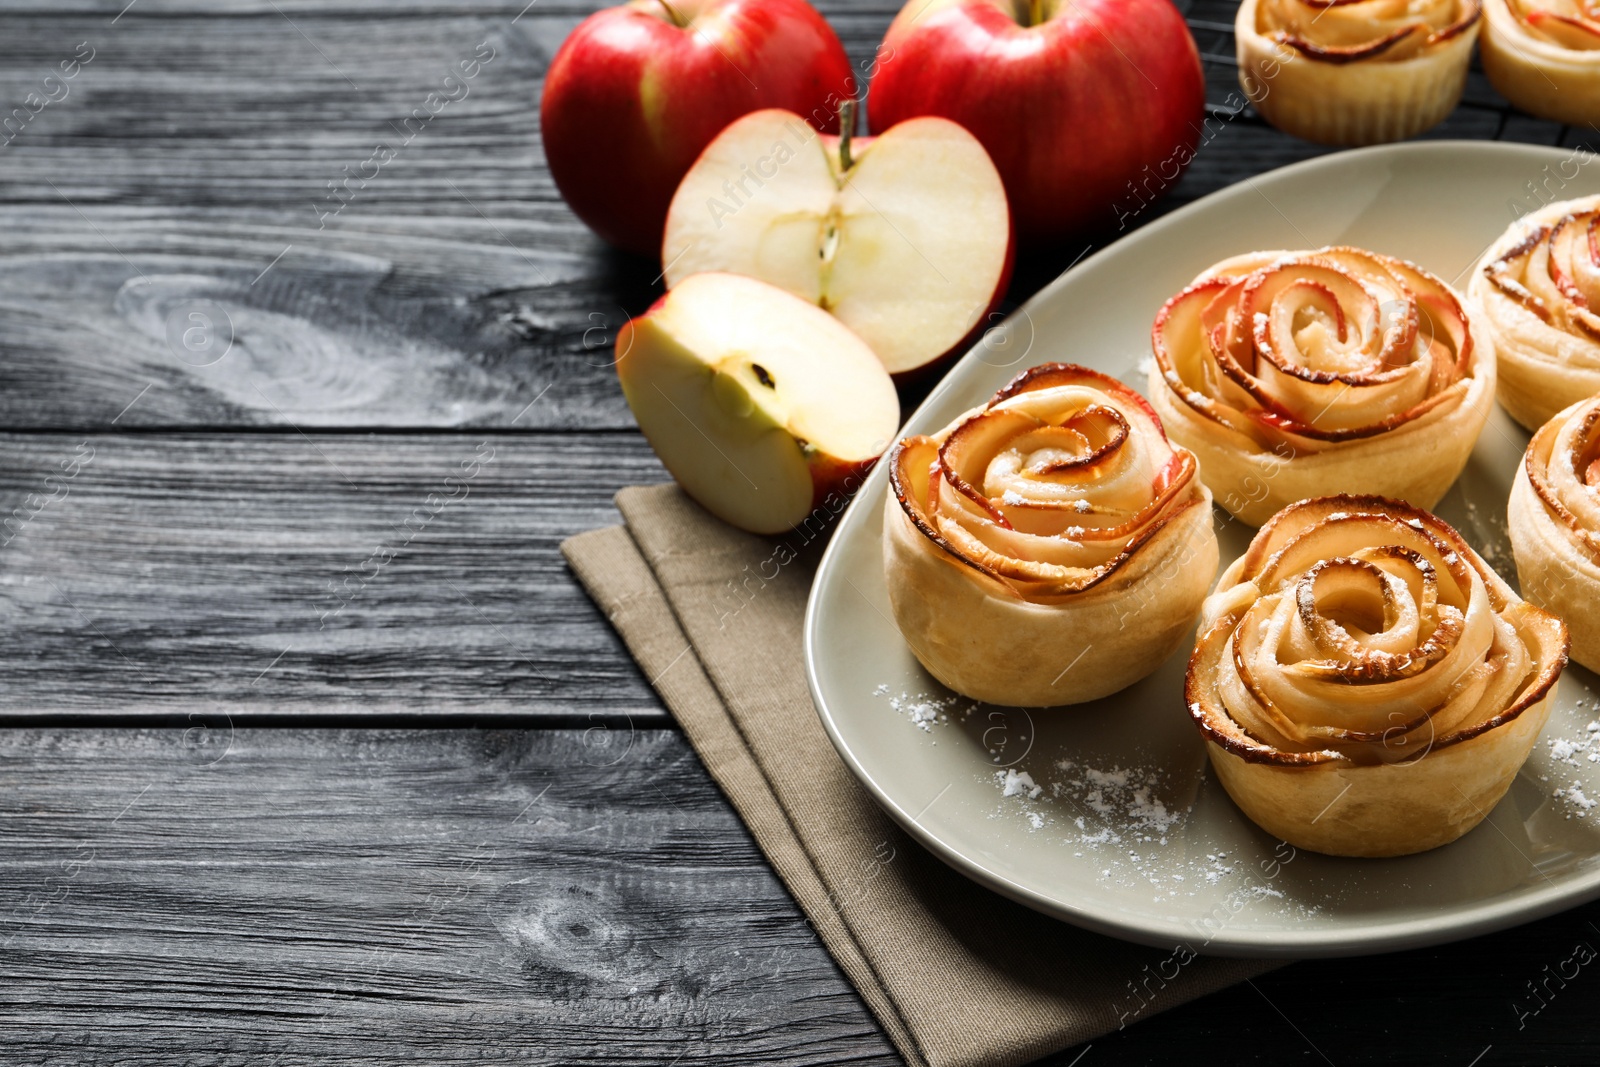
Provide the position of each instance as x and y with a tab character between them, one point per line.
1104	814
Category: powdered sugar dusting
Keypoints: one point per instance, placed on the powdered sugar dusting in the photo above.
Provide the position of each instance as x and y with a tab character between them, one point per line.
1017	783
924	711
1576	800
1118	805
1575	752
1124	821
1127	796
1568	749
1121	819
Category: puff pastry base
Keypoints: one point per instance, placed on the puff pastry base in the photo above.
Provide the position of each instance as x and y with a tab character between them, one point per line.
1050	547
1554	521
1541	78
1547	348
1352	103
1365	683
993	647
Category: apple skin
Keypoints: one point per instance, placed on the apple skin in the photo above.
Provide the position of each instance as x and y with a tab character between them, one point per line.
834	482
631	98
1071	110
652	359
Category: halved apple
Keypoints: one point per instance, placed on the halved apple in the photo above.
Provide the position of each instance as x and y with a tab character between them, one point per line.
765	408
906	237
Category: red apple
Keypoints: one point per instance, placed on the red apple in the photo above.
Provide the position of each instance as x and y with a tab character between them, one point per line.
1074	99
765	408
905	237
637	91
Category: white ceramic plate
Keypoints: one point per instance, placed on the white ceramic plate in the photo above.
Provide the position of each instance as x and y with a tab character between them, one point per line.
1123	829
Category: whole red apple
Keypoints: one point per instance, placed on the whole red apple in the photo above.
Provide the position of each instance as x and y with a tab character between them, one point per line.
637	91
1073	101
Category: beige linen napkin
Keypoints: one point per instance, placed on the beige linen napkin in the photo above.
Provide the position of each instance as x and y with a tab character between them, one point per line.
956	974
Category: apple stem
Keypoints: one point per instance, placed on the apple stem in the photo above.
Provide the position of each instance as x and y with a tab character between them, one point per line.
672	13
847	129
1035	11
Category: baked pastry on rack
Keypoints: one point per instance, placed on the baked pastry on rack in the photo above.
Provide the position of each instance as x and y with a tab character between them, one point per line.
1354	72
1049	547
1537	286
1365	683
1554	519
1544	56
1298	374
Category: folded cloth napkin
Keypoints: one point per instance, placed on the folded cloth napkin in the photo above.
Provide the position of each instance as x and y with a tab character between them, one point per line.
956	974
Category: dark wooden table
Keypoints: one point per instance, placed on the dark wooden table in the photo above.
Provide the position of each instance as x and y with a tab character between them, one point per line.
315	757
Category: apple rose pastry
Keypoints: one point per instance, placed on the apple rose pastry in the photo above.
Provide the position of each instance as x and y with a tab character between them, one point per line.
1366	685
1299	374
1353	72
1536	287
1544	56
1555	524
1050	547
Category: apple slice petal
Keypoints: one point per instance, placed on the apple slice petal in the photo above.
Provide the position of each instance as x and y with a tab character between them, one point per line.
1577	33
763	407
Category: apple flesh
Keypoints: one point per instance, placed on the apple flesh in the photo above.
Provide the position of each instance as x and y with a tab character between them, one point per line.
1568	32
636	91
1084	105
905	237
760	404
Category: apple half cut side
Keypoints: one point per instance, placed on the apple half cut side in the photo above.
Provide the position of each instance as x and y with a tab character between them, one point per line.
905	237
762	405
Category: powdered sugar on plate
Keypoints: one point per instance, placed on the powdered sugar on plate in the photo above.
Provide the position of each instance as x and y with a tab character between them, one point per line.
1114	805
1123	820
1569	750
1017	783
1118	794
924	711
1577	802
1488	533
1574	752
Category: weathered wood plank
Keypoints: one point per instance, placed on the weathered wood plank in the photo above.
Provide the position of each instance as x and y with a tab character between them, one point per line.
356	897
267	109
264	321
451	287
285	575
